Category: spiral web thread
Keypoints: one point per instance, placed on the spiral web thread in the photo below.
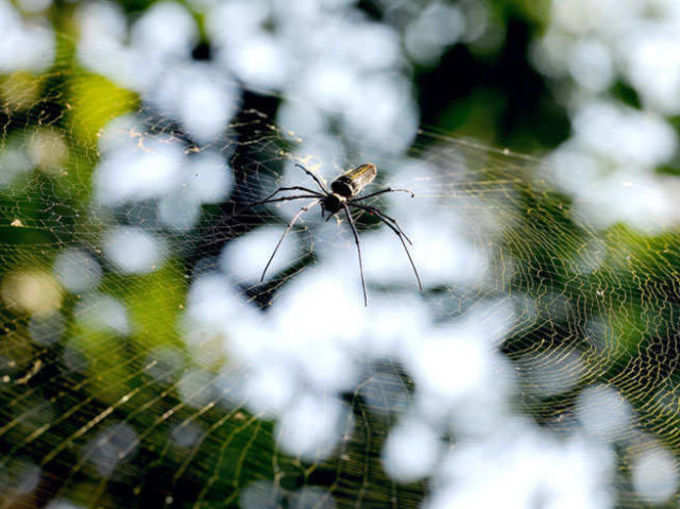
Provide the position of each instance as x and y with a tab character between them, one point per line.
96	416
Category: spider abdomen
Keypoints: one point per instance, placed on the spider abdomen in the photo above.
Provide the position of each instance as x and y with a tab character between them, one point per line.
351	182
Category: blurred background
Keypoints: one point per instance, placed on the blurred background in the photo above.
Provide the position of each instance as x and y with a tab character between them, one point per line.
144	363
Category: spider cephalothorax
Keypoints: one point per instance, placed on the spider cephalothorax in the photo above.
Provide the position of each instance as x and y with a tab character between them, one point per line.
341	196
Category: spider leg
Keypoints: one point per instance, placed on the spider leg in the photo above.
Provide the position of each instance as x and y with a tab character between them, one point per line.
290	226
280	189
356	240
284	198
388	190
399	233
381	214
316	179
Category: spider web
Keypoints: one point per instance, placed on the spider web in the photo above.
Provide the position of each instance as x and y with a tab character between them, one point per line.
168	375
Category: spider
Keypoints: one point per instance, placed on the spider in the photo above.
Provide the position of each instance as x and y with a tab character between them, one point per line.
341	196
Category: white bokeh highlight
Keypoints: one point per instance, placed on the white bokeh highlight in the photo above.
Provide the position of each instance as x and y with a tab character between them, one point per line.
134	251
246	257
604	413
138	172
312	426
411	450
77	270
519	466
437	26
655	475
104	313
24	46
